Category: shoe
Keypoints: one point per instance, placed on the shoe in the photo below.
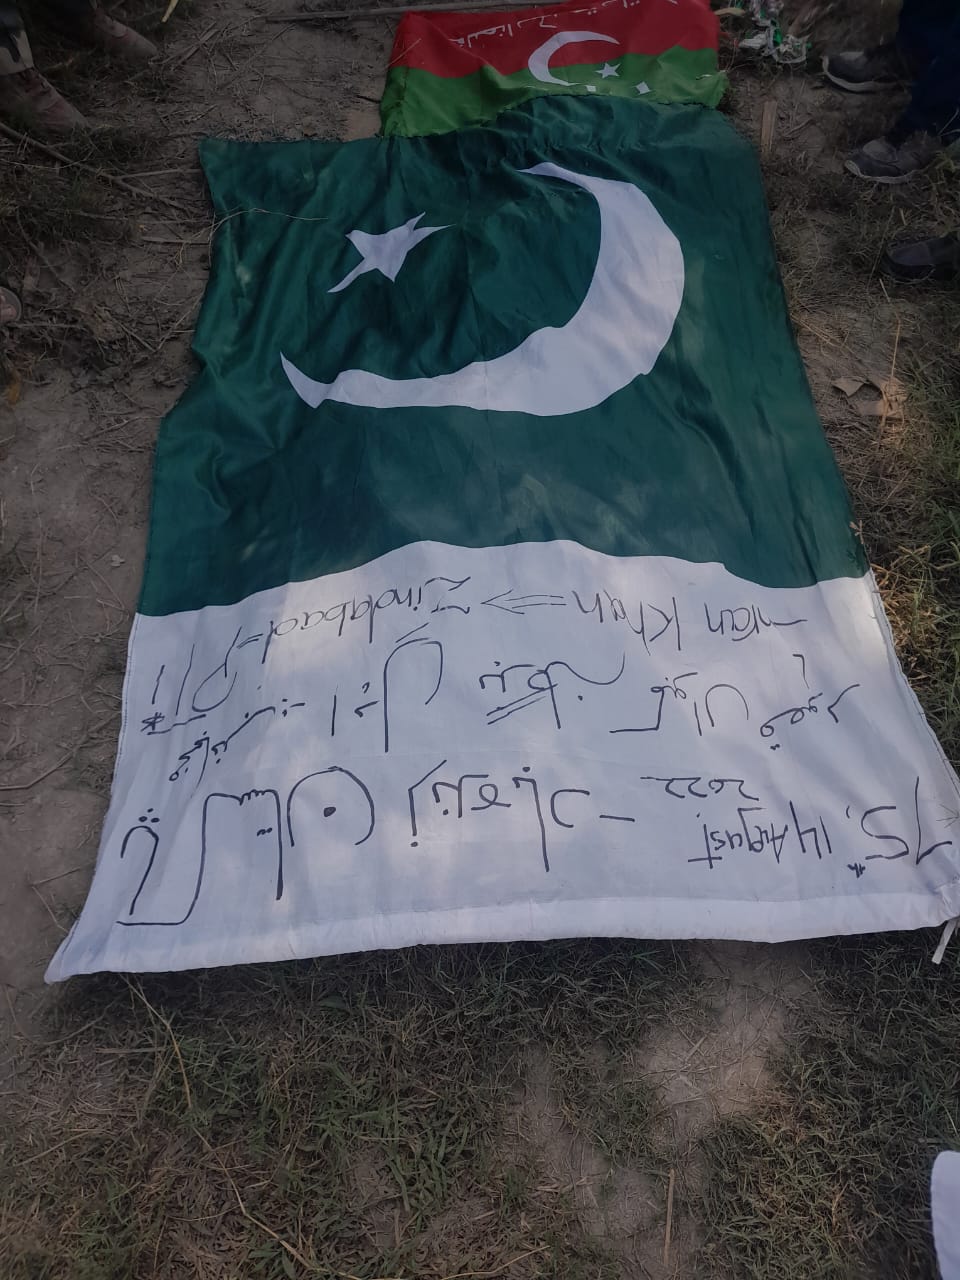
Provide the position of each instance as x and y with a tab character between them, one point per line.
935	259
866	70
119	41
889	162
10	309
29	97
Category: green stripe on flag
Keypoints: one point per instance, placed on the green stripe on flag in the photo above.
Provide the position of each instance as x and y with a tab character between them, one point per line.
716	455
419	102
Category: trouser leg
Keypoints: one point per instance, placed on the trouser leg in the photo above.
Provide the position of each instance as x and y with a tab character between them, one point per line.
922	26
935	94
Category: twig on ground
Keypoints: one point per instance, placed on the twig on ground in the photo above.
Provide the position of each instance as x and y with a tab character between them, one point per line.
34	884
49	910
798	128
39	254
485	1275
197	44
668	1227
137	990
768	126
888	390
129	187
294	1253
319	15
25	786
71	1035
50	1150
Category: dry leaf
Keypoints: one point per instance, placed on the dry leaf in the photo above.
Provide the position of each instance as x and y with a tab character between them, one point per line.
11	392
849	386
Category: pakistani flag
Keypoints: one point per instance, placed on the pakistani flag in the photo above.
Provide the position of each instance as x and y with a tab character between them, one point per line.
452	69
500	582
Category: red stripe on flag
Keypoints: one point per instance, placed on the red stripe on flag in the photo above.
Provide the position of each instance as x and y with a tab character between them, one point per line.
458	44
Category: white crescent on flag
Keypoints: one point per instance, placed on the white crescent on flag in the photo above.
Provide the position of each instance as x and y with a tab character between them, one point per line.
539	62
615	335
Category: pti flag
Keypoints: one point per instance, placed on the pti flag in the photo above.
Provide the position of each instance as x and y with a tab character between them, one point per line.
500	581
452	69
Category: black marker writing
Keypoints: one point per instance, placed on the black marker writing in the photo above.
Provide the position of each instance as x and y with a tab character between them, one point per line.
532	783
744	621
420	643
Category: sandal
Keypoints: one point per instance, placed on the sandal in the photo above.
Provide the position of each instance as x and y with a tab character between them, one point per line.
10	308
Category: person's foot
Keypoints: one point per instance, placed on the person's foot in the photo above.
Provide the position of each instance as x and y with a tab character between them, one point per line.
890	162
113	37
935	259
30	98
9	306
866	70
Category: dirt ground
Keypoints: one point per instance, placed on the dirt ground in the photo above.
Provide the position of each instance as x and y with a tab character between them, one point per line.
104	352
110	356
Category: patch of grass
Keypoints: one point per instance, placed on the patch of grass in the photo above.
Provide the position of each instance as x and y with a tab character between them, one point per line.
902	469
360	1116
906	488
831	1177
600	1100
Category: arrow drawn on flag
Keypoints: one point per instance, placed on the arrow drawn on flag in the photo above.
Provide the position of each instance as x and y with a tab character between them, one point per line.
518	604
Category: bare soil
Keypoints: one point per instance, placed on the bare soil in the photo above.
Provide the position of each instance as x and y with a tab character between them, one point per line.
102	355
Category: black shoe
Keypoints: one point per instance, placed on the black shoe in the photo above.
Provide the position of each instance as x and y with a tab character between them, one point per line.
890	162
934	259
866	70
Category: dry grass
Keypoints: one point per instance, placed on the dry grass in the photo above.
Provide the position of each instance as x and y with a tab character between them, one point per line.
829	1178
347	1117
904	477
76	205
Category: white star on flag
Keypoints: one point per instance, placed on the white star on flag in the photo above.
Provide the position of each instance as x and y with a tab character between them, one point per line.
385	252
607	70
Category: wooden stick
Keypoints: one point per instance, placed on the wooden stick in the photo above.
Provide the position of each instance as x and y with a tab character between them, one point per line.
35	884
669	1225
451	6
141	192
885	392
768	126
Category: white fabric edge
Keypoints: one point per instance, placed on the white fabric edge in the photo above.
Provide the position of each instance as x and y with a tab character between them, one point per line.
945	1212
650	918
640	918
